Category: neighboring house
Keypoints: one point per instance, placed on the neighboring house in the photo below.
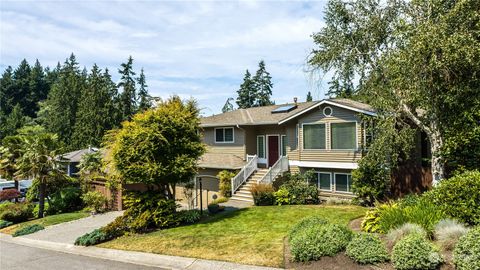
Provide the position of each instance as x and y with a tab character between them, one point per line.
326	136
72	160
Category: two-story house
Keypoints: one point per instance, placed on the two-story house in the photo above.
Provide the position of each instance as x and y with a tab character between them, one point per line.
260	143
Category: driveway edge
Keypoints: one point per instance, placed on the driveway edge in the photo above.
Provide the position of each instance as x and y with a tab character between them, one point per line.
133	257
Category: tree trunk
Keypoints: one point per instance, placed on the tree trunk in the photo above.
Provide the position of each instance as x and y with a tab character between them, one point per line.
16	188
41	199
438	166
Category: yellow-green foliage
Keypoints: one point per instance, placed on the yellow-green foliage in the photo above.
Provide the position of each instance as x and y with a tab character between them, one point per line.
225	178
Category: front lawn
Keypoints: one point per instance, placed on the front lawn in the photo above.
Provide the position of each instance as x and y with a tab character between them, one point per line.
46	221
251	236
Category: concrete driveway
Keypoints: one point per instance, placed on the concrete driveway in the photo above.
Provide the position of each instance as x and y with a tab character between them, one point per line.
68	232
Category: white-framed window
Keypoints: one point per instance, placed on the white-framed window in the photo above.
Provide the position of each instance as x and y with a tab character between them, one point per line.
284	145
343	135
343	182
314	136
324	181
224	135
261	146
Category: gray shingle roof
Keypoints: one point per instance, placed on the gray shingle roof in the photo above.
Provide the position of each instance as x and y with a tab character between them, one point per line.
264	116
220	161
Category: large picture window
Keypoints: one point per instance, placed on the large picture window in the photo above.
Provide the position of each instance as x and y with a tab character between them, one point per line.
343	182
261	146
314	136
224	135
343	135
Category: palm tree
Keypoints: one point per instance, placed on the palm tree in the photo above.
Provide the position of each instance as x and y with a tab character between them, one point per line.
39	161
10	151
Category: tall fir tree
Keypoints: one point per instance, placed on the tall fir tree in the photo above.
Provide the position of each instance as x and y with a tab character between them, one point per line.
263	85
128	94
247	93
12	122
63	99
228	106
115	112
144	99
6	91
21	89
92	119
39	86
309	96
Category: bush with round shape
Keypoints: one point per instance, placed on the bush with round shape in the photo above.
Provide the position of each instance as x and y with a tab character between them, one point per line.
189	216
9	194
95	201
448	232
395	235
28	230
262	194
91	238
366	248
415	252
466	255
17	212
320	240
306	223
459	197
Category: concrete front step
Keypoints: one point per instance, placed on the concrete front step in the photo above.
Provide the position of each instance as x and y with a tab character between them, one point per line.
242	199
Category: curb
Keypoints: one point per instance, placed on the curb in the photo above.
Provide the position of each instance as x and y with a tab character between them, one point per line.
133	257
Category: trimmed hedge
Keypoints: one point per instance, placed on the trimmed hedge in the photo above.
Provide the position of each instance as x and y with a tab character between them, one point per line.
414	252
367	248
459	197
466	255
319	240
28	230
92	238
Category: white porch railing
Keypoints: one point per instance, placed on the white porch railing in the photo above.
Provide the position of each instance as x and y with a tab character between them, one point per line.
244	173
277	169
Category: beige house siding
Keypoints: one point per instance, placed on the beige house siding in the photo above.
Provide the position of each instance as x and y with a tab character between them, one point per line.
236	148
339	115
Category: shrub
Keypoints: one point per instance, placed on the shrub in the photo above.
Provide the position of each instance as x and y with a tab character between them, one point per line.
367	248
91	238
189	216
4	223
9	194
4	206
395	235
320	240
459	197
220	200
95	201
466	255
225	185
262	194
65	200
282	197
299	189
28	230
371	221
414	252
18	212
46	208
448	232
424	213
306	223
337	201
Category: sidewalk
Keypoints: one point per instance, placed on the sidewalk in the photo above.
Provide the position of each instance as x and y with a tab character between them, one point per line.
140	258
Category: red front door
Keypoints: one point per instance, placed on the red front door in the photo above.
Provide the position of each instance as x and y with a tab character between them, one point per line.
273	146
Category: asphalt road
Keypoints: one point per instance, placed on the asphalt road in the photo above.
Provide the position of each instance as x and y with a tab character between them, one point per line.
16	257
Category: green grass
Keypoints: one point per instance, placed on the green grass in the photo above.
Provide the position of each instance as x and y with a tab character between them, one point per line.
252	236
46	221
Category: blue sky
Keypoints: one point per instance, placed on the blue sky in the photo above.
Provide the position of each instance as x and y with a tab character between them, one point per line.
197	49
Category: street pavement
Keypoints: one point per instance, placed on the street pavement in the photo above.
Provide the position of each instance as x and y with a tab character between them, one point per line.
19	257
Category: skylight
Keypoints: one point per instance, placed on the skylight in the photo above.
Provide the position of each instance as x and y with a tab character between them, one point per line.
284	109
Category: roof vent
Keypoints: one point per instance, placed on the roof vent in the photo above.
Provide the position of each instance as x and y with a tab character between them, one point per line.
284	109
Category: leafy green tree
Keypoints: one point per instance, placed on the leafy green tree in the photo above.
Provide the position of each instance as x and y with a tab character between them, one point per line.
159	147
309	96
90	167
263	85
411	59
6	91
128	95
39	160
12	122
228	106
247	93
144	101
63	101
10	152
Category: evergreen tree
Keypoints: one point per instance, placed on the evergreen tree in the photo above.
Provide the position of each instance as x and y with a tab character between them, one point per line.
6	91
12	122
228	106
113	106
21	89
144	100
309	96
263	85
128	95
39	87
247	93
63	100
92	115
